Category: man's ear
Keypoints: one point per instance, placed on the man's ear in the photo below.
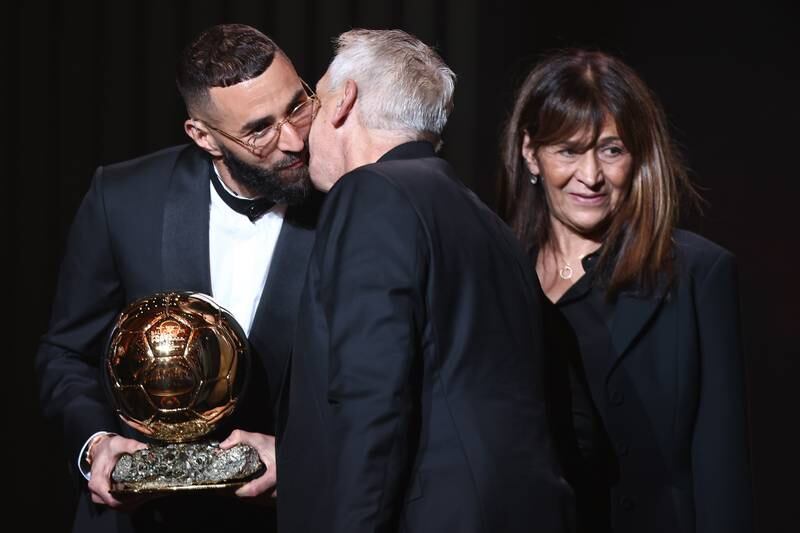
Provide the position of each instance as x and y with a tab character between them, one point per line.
198	132
346	103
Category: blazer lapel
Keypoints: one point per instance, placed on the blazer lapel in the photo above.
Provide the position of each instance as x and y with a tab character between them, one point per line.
633	311
184	245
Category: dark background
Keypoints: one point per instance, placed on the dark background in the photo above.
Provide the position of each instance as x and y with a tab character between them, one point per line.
91	84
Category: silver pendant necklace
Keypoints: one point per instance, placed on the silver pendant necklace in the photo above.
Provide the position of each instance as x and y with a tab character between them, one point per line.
565	272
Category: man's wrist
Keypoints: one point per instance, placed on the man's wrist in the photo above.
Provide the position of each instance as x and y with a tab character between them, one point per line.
84	458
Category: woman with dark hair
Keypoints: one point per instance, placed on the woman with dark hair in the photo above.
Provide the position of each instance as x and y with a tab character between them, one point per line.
644	317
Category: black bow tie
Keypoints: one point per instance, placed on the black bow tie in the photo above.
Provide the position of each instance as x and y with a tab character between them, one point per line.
252	209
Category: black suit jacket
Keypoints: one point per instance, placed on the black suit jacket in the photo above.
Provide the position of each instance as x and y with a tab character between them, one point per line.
143	228
671	395
415	394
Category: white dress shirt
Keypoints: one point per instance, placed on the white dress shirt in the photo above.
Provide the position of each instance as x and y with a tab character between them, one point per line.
240	253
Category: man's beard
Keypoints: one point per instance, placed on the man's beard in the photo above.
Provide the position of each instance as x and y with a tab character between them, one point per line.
286	186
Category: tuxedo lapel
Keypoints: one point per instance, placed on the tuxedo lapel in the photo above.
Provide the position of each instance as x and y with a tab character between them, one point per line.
272	333
184	245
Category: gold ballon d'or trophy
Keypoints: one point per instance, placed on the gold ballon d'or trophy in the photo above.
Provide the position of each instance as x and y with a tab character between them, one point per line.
175	367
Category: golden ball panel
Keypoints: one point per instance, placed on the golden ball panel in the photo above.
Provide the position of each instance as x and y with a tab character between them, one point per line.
200	309
171	383
129	355
168	337
135	403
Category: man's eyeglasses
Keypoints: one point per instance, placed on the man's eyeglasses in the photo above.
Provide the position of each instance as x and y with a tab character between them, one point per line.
262	142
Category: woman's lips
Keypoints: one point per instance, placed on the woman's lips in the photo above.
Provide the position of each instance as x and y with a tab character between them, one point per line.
588	199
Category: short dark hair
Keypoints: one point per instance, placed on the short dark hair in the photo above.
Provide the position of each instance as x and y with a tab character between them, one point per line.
575	90
221	56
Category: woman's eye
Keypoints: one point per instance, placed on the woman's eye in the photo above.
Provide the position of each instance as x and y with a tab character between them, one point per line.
612	152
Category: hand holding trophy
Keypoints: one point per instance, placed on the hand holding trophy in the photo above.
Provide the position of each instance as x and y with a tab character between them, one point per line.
176	366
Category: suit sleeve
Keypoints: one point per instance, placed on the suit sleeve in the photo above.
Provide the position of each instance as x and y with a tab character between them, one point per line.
720	459
370	292
87	300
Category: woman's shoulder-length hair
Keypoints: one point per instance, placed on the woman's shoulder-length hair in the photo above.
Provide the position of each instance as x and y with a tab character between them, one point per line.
577	91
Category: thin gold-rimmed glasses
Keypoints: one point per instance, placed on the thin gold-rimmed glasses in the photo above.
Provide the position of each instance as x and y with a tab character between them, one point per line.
262	142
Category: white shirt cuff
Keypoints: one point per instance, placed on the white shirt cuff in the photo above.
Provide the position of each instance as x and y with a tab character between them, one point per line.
83	465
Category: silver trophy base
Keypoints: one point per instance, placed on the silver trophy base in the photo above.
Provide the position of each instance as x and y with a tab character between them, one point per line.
184	468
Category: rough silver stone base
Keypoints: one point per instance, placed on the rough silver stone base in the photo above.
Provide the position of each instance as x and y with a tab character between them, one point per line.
192	466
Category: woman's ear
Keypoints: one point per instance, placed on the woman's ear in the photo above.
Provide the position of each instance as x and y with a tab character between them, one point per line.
529	154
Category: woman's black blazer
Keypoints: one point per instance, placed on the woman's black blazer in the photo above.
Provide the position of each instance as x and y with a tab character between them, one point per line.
670	392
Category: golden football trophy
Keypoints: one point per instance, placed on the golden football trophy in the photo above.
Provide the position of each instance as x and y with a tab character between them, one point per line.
176	366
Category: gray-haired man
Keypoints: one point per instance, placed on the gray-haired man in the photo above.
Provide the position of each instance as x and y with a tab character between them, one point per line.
415	395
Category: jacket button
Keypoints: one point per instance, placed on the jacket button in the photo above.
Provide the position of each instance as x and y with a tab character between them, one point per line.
626	503
617	397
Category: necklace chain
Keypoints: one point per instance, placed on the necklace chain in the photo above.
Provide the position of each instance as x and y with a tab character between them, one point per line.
566	271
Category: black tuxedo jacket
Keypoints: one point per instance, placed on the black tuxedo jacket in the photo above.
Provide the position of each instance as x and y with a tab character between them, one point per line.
415	394
143	228
670	392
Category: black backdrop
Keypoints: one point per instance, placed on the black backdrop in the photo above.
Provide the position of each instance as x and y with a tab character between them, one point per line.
91	83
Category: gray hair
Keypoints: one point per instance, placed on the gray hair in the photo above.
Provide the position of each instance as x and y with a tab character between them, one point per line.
403	84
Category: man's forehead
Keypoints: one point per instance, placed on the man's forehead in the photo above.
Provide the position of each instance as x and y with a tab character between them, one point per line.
267	94
277	80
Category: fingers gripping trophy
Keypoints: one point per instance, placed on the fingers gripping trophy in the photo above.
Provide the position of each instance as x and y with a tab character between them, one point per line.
175	367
